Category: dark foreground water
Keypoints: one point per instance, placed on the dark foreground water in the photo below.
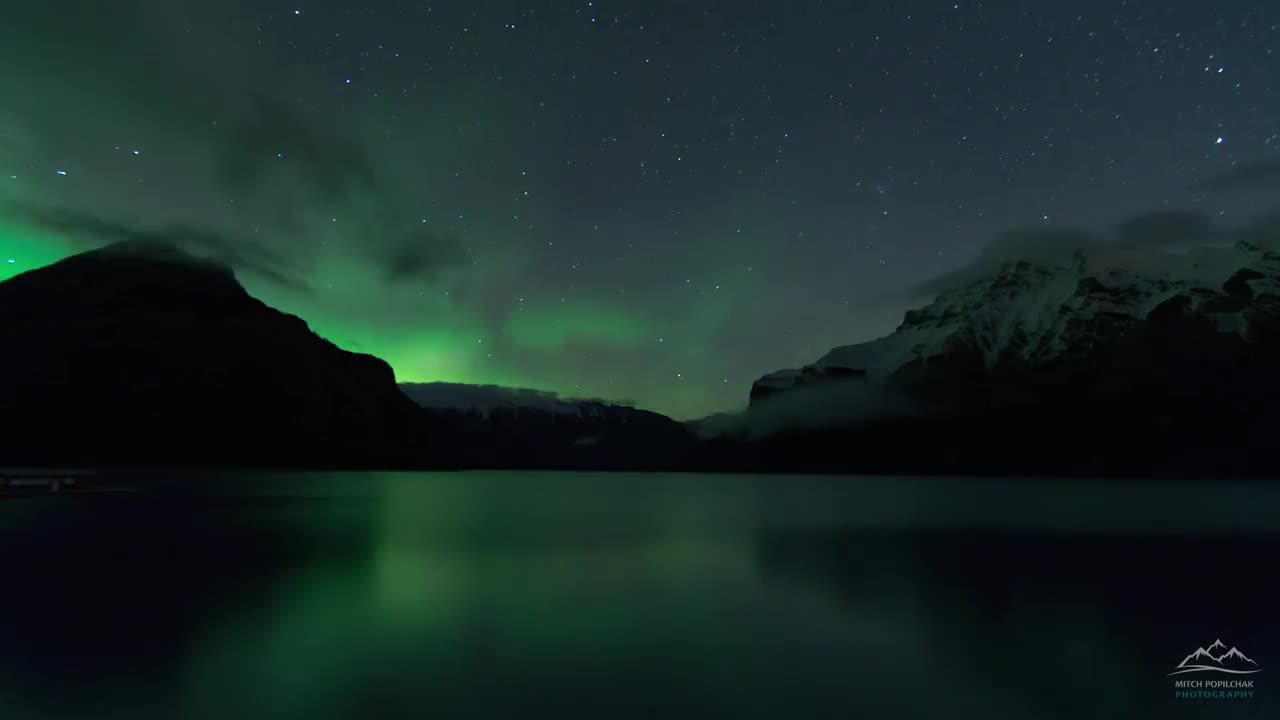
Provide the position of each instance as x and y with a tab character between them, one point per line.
623	596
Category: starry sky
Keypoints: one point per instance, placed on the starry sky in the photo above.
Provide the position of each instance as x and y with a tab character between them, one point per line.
653	201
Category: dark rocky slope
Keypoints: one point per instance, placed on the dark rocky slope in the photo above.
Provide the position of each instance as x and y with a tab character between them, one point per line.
138	354
500	427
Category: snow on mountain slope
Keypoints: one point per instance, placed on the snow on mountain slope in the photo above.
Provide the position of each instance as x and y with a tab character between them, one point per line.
1033	313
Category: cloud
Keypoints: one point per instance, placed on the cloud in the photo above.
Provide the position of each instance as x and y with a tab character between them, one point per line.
421	255
835	403
92	230
1033	244
552	327
264	140
1171	228
241	140
1263	175
1123	244
1263	232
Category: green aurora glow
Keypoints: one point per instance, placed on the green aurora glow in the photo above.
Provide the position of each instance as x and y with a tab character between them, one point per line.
466	220
352	305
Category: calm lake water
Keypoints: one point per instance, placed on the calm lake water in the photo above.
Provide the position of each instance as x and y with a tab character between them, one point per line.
505	595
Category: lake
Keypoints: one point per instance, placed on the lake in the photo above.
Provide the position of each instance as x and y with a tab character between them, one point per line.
498	595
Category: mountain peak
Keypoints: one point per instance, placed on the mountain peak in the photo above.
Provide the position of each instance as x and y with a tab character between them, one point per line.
156	272
1033	313
159	252
148	355
1126	343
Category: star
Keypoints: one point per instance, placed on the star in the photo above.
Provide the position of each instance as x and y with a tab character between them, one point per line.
903	134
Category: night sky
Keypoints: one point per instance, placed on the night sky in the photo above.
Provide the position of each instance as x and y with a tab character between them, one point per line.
649	201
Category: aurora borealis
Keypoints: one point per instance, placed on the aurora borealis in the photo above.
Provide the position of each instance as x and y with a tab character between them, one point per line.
655	202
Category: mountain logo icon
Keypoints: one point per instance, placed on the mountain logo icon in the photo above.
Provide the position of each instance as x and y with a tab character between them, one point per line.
1217	658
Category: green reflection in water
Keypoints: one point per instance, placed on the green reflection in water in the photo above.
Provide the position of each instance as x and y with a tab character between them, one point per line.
325	596
466	585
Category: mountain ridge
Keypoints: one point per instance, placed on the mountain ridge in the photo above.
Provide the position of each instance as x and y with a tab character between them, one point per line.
1158	366
1038	312
138	353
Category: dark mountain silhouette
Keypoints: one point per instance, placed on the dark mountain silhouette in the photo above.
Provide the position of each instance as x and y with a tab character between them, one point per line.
461	396
1169	368
140	355
519	428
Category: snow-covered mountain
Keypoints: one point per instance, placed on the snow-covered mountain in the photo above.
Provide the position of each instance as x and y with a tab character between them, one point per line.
1031	315
486	399
1106	362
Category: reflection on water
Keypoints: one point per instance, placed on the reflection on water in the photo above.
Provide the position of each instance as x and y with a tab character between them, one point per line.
497	595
